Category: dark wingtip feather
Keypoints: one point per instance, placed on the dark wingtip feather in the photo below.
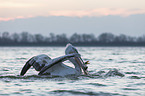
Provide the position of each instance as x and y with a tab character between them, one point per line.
25	68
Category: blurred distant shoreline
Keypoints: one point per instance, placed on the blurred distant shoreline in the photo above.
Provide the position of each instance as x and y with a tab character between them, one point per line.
105	39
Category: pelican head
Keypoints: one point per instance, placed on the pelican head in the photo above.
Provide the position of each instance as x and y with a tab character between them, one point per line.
77	61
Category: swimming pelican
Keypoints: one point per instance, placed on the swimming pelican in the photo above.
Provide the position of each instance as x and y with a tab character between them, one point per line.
54	67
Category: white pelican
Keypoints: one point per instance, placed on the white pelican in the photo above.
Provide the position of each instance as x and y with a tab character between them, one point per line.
54	67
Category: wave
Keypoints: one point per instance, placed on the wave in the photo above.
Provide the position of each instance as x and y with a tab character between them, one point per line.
92	75
132	73
97	84
26	77
81	93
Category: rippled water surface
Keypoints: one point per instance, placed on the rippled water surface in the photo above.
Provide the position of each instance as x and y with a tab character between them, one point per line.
128	60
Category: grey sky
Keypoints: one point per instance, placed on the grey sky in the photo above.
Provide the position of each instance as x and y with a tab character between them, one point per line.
132	25
69	16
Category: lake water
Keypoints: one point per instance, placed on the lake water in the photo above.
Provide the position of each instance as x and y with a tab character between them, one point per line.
128	60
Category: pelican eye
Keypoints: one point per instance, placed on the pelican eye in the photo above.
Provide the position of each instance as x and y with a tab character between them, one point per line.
71	52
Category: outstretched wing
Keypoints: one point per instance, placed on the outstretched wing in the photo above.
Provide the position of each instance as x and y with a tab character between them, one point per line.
57	61
38	62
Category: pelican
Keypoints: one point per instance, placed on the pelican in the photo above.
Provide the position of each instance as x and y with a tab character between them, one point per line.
55	67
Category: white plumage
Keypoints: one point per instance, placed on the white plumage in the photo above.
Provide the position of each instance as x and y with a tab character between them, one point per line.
55	67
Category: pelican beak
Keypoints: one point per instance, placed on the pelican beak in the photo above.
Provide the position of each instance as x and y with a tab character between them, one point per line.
82	65
71	49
